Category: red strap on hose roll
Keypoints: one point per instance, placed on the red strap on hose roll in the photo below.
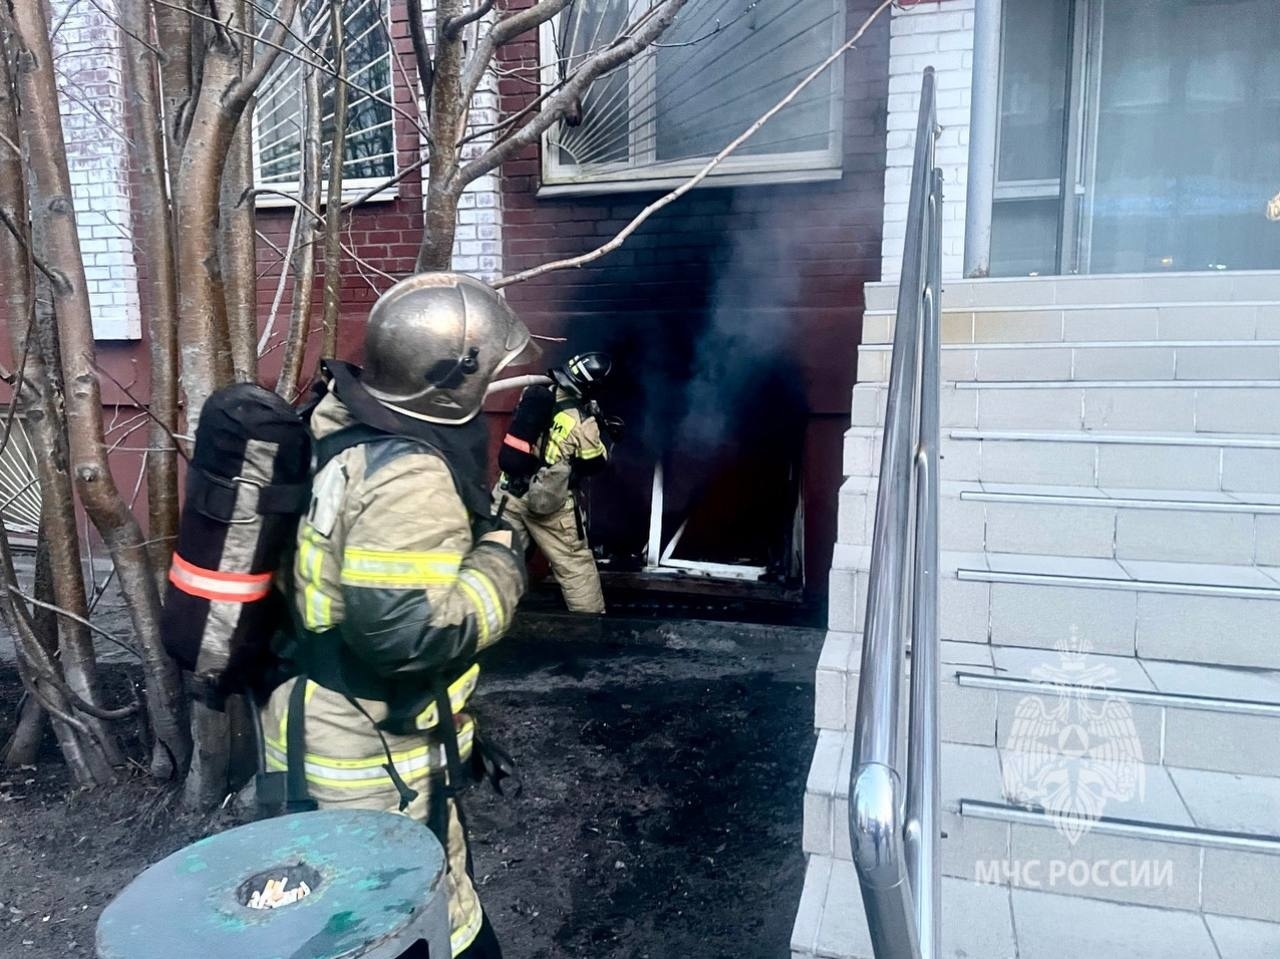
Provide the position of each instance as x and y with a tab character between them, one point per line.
217	586
517	443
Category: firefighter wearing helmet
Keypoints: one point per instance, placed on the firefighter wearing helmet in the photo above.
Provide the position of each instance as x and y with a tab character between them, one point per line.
402	574
554	444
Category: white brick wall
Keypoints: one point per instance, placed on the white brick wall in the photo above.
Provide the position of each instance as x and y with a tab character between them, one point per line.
940	35
477	248
91	83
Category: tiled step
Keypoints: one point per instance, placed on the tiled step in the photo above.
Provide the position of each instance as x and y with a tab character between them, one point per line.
1174	525
1184	612
1190	716
981	921
1232	463
1209	839
1192	407
1114	291
1096	360
1086	323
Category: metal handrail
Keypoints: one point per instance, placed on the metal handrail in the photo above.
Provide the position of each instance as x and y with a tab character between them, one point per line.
893	805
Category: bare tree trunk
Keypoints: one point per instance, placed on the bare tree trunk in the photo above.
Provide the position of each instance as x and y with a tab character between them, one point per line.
304	257
333	208
23	747
59	578
56	242
441	225
239	241
38	670
204	337
449	112
225	90
156	243
207	781
173	31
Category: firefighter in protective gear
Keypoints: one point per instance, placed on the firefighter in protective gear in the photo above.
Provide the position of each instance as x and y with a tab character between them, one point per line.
549	511
401	574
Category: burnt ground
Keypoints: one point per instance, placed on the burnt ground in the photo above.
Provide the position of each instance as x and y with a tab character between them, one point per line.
663	776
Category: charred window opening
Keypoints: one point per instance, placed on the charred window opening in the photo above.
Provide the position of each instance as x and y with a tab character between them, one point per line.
714	393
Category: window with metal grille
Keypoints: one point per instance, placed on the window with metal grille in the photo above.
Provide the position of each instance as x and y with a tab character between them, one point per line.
280	118
716	70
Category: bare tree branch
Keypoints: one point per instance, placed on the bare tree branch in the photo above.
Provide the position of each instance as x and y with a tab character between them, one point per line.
237	248
333	210
452	29
373	191
273	41
156	243
502	32
651	25
165	429
316	216
702	174
304	256
422	54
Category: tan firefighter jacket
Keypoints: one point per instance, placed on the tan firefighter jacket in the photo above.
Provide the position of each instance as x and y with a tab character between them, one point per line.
570	450
573	435
390	587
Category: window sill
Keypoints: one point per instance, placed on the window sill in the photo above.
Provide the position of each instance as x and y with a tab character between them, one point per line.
587	186
272	201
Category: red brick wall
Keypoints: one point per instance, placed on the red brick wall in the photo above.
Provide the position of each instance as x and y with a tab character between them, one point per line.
384	234
781	264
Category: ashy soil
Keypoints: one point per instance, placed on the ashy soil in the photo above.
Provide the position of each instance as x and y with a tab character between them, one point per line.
660	815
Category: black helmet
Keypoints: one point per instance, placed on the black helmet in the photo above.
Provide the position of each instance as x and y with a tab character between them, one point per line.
583	373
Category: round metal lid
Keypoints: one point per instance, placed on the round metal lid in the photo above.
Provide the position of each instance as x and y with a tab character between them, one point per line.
327	884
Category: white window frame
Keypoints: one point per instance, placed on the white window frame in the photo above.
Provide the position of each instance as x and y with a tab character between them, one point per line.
736	170
352	187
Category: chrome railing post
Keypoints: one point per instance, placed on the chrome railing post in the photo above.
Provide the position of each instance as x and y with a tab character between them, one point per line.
924	788
893	806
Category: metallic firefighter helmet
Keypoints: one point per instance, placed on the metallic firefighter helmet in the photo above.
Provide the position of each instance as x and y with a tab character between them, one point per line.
583	373
435	341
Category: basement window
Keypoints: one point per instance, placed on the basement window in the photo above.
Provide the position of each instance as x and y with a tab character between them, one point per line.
280	119
659	118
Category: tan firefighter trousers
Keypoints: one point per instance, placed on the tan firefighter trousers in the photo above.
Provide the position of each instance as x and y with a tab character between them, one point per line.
344	763
570	557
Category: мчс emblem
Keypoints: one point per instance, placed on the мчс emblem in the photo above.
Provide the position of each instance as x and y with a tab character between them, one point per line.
1072	750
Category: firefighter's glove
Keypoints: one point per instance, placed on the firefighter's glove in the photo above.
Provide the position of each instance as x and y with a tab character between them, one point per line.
614	426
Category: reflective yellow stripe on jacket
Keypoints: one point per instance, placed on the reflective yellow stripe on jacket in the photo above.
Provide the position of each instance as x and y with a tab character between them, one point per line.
396	569
367	773
460	691
317	604
483	598
562	424
413	765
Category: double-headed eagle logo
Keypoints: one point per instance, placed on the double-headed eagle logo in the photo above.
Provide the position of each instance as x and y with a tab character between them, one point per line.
1074	748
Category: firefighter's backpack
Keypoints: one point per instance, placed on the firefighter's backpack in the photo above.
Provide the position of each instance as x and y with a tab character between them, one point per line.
248	482
518	459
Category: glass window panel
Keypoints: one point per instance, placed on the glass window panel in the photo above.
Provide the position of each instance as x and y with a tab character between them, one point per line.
717	68
737	65
280	115
1024	237
606	138
1187	137
1033	85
